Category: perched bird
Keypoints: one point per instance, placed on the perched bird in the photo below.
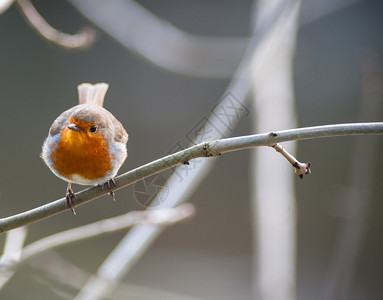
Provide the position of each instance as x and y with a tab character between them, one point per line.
86	144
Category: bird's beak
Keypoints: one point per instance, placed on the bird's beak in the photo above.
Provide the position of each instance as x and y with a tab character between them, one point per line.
73	126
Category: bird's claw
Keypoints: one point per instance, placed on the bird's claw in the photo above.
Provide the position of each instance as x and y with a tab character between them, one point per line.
70	195
110	184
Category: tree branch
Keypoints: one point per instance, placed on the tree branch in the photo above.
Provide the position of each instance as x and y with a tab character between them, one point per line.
205	149
301	169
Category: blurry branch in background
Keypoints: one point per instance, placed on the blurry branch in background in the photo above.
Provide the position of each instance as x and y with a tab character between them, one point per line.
168	47
5	4
160	42
83	39
147	35
61	275
272	193
355	201
14	253
14	242
160	217
142	32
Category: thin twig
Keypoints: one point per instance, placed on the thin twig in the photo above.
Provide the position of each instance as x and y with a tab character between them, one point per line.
83	39
300	168
205	149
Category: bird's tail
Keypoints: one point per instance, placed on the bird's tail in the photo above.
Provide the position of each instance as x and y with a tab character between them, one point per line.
92	93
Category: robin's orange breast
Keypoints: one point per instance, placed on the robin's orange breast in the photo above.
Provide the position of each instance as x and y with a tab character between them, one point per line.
79	153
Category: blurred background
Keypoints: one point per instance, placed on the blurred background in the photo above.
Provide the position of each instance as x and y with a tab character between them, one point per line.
338	57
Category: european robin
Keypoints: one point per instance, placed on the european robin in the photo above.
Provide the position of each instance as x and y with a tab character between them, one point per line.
86	144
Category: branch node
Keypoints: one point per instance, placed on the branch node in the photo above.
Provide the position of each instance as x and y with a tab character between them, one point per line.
208	151
273	134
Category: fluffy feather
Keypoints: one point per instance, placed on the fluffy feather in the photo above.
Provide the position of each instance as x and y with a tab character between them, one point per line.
92	93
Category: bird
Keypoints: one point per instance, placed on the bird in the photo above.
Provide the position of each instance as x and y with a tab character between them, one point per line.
86	144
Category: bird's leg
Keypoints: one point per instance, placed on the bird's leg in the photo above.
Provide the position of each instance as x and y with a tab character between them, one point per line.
69	196
110	184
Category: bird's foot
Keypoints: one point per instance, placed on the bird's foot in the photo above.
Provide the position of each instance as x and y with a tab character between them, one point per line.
70	195
110	184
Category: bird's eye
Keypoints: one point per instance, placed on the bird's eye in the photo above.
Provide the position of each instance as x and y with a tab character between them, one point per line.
93	128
